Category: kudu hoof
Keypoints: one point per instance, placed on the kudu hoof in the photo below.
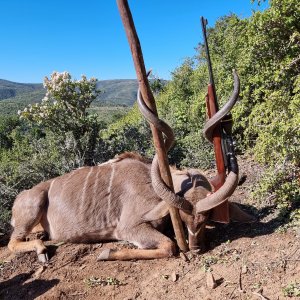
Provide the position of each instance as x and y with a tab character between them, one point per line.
43	257
104	255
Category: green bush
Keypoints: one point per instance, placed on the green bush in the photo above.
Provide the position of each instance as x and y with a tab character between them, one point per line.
64	110
279	186
7	125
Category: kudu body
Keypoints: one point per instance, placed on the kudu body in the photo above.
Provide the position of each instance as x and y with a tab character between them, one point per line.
112	201
118	200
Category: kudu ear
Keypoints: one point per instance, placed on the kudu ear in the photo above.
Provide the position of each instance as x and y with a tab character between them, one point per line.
198	179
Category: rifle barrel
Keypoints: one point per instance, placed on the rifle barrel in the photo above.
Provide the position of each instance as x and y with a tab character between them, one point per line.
204	22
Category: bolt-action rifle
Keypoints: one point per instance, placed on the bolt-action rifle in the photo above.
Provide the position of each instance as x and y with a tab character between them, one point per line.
221	138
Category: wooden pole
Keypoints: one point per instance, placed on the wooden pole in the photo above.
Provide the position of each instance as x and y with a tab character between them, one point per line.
159	145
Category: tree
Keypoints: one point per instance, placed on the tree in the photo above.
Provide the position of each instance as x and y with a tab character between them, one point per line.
64	110
7	125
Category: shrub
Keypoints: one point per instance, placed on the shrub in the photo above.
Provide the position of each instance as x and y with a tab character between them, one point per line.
64	111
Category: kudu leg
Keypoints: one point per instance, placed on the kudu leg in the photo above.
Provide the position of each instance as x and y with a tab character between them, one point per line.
153	245
16	245
38	228
27	215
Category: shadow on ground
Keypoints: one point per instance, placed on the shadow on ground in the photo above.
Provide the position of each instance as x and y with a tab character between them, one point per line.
228	232
23	286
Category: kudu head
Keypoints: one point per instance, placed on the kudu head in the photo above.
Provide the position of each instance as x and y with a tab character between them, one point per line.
193	189
196	197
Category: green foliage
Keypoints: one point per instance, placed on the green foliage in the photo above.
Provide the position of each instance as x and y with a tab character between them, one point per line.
280	186
19	171
64	110
7	195
192	151
292	290
273	97
258	1
92	281
7	125
130	133
182	105
208	261
157	84
109	114
10	106
265	50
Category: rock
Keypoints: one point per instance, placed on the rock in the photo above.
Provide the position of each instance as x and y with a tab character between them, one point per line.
210	281
174	276
244	269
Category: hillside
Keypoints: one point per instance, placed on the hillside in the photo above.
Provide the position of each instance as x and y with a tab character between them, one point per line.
118	92
9	89
15	96
11	105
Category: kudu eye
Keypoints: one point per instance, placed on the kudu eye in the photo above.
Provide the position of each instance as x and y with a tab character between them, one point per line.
200	218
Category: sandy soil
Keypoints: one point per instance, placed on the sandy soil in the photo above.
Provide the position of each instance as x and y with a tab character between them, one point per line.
254	261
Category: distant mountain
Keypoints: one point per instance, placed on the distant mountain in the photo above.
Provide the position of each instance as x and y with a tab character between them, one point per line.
9	89
15	96
118	91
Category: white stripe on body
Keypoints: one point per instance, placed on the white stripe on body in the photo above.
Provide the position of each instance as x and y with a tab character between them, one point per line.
110	186
96	185
51	184
86	184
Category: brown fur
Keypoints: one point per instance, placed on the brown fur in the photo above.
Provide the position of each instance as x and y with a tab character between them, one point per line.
112	201
133	155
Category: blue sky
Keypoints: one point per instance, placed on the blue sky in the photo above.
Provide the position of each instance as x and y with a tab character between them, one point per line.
87	37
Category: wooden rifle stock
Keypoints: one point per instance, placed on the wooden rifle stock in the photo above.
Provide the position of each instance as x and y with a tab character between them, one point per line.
221	212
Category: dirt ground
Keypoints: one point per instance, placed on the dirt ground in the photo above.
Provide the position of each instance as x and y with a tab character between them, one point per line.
247	261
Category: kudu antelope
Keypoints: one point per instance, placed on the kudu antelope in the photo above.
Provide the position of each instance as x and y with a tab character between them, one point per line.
118	200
